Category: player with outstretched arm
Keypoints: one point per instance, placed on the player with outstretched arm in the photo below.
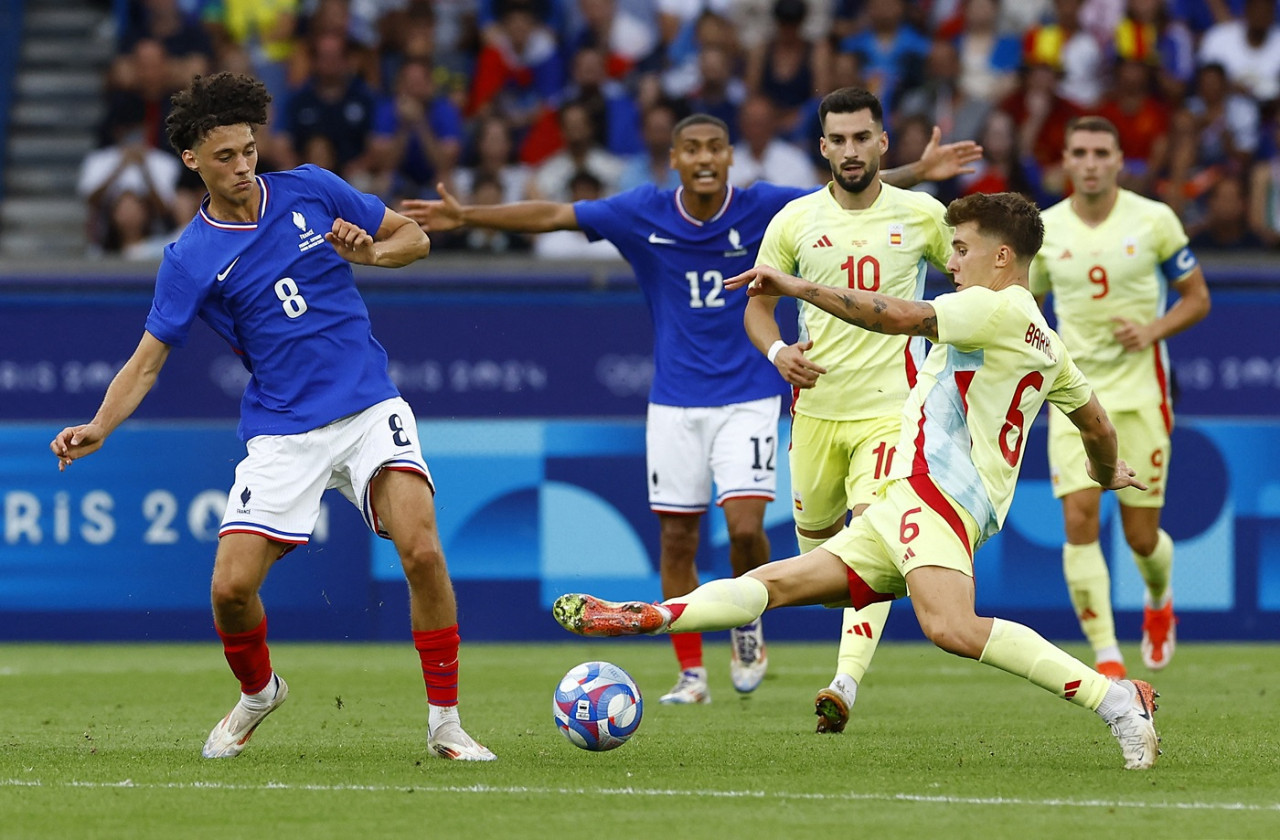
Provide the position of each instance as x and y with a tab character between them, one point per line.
714	404
994	362
266	263
848	385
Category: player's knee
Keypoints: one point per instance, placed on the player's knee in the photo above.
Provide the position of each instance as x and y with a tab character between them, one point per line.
1142	542
421	561
745	538
229	594
950	635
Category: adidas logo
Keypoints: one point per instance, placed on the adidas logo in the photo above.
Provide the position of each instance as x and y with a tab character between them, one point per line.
1065	255
1069	689
863	629
824	242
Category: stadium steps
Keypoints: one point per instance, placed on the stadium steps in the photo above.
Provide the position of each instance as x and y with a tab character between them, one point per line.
58	102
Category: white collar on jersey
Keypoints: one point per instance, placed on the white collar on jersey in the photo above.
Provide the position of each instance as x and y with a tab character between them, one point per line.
728	197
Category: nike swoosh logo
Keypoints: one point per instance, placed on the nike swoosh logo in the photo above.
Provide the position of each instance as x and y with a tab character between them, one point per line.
660	240
222	275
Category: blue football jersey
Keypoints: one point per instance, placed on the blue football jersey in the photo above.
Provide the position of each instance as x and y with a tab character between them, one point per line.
702	355
283	299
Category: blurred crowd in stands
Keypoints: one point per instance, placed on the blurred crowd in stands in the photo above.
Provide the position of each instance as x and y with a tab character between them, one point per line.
503	100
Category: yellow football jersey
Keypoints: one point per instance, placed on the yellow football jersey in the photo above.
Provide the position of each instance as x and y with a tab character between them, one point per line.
883	248
965	424
1121	268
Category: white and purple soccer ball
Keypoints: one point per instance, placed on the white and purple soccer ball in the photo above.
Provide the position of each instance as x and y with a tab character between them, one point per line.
597	706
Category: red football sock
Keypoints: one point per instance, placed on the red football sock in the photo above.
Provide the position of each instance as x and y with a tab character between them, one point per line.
688	649
438	650
248	656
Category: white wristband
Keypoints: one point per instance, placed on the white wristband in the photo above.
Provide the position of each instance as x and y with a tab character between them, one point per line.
775	349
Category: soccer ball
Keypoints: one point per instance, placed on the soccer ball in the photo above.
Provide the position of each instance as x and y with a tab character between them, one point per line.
597	706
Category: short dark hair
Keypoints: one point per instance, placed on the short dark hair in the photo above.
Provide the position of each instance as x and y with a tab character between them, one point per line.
1009	217
850	100
211	102
1092	123
698	119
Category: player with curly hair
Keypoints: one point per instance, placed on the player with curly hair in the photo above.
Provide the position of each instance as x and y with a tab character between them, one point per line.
266	263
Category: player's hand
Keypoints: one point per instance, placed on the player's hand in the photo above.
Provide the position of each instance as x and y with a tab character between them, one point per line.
797	368
766	280
1132	337
76	442
434	216
352	242
1124	475
941	161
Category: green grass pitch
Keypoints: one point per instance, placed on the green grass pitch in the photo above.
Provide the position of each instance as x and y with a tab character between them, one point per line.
101	741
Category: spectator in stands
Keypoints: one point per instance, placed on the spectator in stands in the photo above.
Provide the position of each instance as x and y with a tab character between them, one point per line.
1144	142
613	109
1041	116
128	165
1021	16
625	32
941	101
680	76
1148	33
581	153
265	33
333	103
788	67
1002	168
333	18
573	244
493	158
988	59
412	34
720	93
1225	225
143	87
1249	48
1264	191
518	69
185	41
417	136
653	165
1225	130
1065	45
763	156
892	54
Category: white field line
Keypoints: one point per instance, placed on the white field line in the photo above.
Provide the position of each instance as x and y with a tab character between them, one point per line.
851	796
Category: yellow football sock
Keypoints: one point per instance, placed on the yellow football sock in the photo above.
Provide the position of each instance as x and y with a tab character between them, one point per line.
1157	568
720	605
1089	584
1022	651
860	634
808	544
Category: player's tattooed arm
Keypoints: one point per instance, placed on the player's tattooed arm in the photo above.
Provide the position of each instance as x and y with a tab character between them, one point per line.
868	310
877	313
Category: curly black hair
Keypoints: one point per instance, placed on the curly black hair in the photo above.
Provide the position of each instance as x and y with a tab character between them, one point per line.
213	101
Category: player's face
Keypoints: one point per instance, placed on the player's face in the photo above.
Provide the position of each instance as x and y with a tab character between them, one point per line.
853	145
974	257
226	160
1093	161
702	155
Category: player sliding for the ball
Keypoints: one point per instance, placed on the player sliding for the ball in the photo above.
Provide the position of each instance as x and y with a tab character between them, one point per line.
993	364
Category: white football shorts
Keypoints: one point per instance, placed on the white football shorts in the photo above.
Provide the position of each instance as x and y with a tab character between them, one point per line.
278	486
686	449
